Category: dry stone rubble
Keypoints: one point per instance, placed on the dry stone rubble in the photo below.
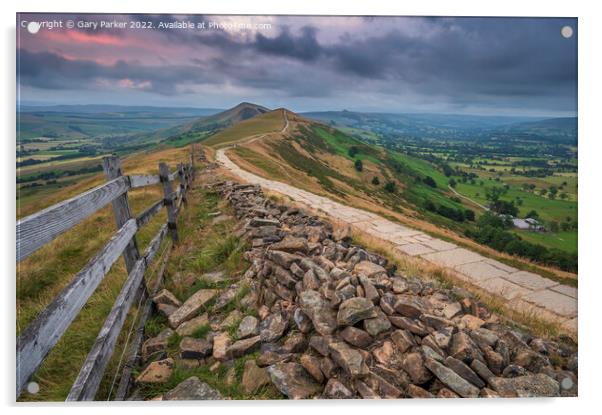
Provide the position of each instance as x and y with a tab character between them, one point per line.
335	321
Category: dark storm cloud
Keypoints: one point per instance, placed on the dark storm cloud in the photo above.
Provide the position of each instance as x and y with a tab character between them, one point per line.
486	56
47	70
460	61
304	47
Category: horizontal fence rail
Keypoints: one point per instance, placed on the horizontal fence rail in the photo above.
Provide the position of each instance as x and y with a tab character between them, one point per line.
37	230
33	232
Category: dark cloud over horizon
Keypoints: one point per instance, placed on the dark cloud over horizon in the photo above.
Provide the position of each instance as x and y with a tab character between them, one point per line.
483	65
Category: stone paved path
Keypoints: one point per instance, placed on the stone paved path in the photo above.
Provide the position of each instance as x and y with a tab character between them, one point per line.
525	291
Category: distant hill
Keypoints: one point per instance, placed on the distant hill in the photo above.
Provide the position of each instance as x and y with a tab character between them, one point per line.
450	126
100	121
123	109
227	118
202	127
553	129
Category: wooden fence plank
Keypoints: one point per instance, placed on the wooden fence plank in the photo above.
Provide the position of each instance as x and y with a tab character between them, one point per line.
86	385
42	227
149	213
121	210
143	180
43	333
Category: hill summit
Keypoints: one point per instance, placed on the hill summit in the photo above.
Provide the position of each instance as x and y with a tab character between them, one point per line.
227	118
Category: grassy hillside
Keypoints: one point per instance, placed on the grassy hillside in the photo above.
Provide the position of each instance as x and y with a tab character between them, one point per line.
412	189
202	127
269	122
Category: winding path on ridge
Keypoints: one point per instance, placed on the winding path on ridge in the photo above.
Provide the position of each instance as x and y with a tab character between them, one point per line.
522	291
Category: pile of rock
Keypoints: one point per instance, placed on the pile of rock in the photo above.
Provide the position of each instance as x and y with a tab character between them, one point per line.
337	321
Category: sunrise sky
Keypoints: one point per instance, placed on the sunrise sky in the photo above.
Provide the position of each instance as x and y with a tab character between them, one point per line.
503	66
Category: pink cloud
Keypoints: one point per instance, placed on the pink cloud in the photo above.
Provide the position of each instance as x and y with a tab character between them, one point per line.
71	36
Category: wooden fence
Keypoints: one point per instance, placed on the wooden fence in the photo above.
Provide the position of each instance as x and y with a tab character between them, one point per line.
33	232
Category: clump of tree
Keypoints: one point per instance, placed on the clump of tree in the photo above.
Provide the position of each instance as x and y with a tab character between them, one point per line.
429	181
455	214
504	207
359	166
390	187
353	150
375	181
532	214
492	230
447	170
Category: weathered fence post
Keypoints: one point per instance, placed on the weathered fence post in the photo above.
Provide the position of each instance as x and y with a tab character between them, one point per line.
168	200
121	210
192	155
183	182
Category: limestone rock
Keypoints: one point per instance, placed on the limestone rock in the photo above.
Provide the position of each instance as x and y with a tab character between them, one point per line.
312	365
192	389
291	244
284	259
409	306
451	379
403	340
157	372
254	377
316	308
380	323
156	345
334	389
538	385
399	285
272	328
413	364
356	337
190	307
464	371
221	342
471	322
249	326
191	348
355	309
349	359
293	381
242	347
166	309
166	297
414	391
189	327
369	269
463	348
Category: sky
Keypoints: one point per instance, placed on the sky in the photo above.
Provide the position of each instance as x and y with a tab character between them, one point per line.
488	66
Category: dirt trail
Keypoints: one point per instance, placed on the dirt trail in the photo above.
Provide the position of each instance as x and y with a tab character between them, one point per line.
485	208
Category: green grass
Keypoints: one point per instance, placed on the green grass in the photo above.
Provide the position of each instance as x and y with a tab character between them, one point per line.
201	332
217	380
566	241
269	122
258	160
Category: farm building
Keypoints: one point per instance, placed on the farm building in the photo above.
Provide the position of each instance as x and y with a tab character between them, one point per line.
527	224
